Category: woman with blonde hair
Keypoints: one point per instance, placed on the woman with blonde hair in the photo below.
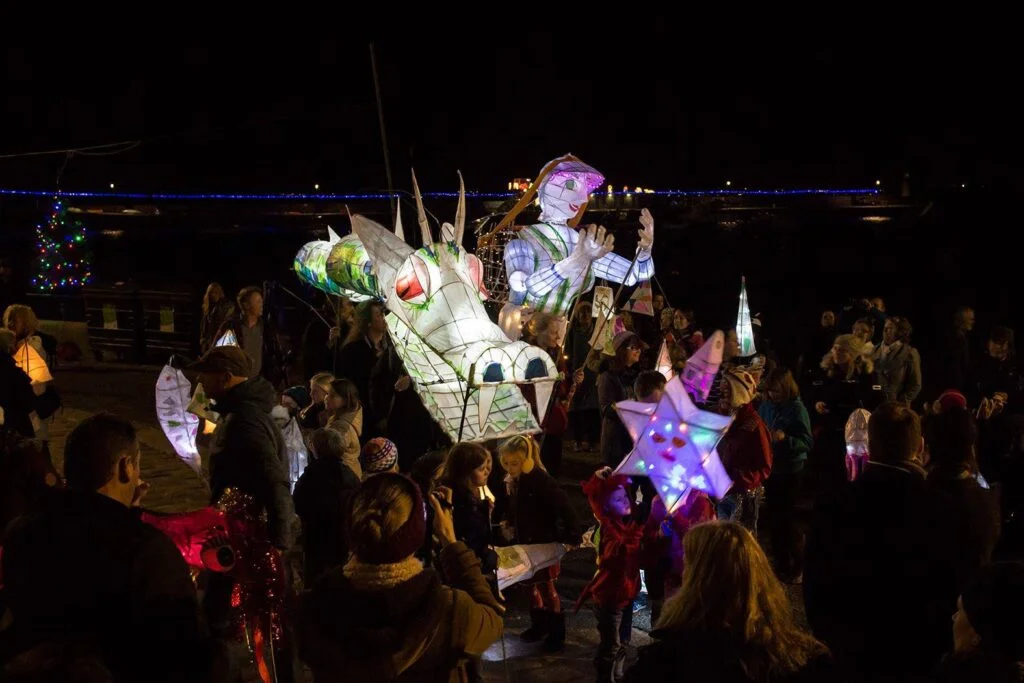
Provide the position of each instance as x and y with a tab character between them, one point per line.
216	309
29	355
314	415
845	382
382	616
731	620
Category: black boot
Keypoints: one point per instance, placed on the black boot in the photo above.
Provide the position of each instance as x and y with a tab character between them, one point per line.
555	641
539	626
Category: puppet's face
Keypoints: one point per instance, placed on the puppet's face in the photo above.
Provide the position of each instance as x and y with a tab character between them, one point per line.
563	194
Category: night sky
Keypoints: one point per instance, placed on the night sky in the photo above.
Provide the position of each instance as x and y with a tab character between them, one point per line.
652	109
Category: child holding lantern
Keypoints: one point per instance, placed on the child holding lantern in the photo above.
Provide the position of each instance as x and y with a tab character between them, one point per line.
538	511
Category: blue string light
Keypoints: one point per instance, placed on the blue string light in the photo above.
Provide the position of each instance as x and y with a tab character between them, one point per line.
326	196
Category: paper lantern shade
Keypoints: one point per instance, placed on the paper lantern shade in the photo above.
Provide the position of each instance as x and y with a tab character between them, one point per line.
744	328
674	445
178	424
32	364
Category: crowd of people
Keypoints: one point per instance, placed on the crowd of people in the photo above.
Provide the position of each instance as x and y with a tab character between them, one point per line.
908	560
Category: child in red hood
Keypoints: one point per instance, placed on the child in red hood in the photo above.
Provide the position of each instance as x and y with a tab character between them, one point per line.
617	579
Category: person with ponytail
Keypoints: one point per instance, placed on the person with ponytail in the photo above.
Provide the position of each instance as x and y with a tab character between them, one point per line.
538	512
382	616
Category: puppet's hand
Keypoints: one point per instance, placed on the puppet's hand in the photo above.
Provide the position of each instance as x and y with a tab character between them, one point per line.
647	234
594	243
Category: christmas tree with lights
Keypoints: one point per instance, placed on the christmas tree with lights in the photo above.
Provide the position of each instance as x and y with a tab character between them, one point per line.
63	259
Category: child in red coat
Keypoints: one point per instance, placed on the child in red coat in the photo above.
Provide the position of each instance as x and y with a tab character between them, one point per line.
617	579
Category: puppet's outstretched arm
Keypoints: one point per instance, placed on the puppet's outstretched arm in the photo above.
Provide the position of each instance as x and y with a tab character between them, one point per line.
616	268
523	277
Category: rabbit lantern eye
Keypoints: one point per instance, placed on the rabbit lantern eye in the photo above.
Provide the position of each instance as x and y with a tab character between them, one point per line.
413	282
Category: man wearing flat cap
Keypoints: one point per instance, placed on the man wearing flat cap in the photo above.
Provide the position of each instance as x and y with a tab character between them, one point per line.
248	454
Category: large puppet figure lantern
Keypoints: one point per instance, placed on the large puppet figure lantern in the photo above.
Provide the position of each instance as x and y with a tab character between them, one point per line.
549	264
464	368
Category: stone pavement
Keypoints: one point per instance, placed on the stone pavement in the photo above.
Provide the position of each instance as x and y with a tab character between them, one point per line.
128	391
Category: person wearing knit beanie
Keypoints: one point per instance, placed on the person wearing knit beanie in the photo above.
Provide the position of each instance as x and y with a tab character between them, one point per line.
377	457
742	387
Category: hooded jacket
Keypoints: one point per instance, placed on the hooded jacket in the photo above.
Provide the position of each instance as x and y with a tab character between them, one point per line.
249	454
350	426
418	630
617	579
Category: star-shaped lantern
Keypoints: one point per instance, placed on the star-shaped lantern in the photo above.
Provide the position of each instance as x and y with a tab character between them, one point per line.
674	445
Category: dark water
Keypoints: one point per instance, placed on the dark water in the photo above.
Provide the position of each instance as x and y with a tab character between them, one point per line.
923	260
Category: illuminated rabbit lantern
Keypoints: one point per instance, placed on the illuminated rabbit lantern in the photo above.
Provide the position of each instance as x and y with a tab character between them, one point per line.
463	366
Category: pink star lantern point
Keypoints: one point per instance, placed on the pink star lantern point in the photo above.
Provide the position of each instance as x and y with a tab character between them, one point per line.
675	463
701	368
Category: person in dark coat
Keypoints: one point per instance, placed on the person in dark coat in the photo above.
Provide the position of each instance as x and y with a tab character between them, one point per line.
256	334
951	437
321	343
954	367
615	384
997	390
466	470
322	496
731	621
988	639
17	399
538	511
86	569
248	451
217	308
584	418
788	424
367	343
399	411
881	573
248	454
26	475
